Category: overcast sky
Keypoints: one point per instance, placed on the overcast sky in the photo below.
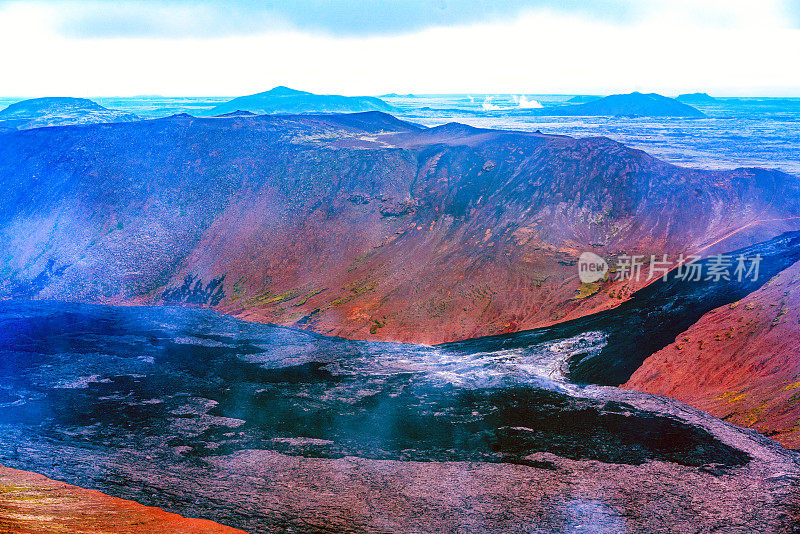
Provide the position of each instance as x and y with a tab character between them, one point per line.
178	47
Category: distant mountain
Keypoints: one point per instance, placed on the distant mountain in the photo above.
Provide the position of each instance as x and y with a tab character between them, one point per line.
696	98
633	104
582	99
238	113
58	111
359	225
283	100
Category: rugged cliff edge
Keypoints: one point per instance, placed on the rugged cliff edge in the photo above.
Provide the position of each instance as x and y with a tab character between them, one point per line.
358	225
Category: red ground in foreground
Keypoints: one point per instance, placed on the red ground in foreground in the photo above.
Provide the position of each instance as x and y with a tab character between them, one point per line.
31	503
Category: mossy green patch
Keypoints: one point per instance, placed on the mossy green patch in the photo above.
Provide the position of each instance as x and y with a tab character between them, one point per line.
586	290
790	387
268	298
376	325
308	295
239	290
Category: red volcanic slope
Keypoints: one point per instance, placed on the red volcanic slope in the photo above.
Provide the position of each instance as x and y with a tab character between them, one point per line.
740	362
358	225
31	503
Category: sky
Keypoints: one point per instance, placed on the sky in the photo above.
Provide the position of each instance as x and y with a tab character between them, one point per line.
354	47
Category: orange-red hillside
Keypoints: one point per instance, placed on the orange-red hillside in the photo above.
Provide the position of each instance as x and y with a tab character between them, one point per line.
740	362
31	503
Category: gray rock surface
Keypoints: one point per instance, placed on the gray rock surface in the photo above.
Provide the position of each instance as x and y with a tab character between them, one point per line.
273	429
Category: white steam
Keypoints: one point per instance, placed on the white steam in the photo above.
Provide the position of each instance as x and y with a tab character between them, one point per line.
488	106
523	102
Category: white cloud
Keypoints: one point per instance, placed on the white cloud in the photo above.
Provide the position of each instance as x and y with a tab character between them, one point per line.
685	48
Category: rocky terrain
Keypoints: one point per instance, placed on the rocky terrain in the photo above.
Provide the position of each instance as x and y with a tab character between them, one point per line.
273	429
368	227
286	100
357	225
739	362
58	111
630	105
